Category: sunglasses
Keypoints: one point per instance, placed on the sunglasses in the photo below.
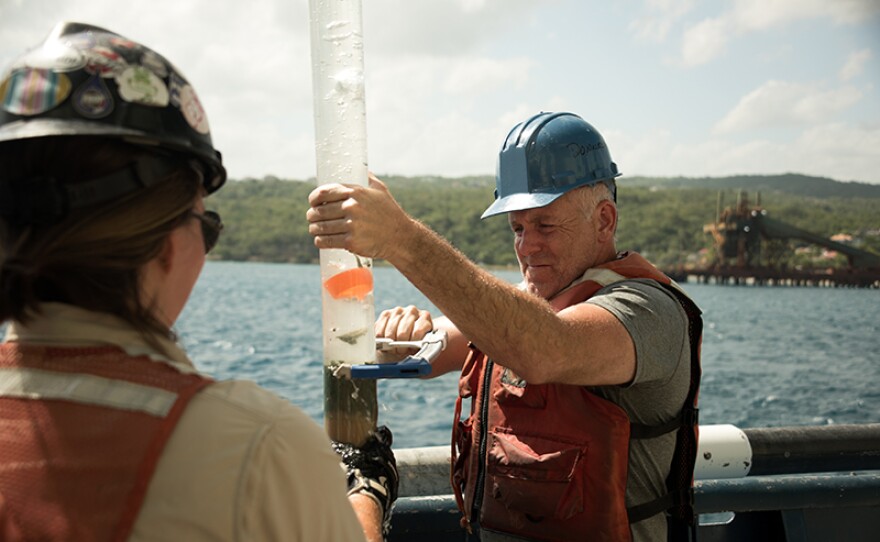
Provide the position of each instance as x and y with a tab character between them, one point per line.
211	228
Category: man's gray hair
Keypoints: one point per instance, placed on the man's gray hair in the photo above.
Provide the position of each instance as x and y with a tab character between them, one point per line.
590	196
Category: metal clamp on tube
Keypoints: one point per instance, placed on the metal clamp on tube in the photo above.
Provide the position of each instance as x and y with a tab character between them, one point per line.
419	364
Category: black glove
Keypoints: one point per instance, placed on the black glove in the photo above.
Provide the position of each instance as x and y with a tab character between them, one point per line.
372	470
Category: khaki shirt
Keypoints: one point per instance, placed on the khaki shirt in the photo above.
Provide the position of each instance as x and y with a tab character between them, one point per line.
242	463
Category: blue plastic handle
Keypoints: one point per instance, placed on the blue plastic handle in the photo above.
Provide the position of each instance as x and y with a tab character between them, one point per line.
410	367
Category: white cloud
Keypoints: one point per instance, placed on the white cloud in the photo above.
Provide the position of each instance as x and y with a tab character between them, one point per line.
839	151
455	144
635	155
433	145
471	76
470	6
783	104
446	80
440	27
424	112
835	150
662	17
259	148
756	15
753	15
855	64
706	39
703	41
821	106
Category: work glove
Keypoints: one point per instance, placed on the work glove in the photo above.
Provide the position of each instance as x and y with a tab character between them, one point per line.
372	471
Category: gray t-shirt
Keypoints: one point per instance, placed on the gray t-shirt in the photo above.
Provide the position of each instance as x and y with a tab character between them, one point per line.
659	329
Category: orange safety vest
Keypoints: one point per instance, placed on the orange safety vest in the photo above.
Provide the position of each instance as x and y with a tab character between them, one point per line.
549	462
82	430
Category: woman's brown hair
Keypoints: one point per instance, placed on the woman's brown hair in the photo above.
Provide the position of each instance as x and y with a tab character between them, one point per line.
92	257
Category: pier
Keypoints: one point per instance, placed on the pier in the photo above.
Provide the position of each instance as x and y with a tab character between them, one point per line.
742	254
764	276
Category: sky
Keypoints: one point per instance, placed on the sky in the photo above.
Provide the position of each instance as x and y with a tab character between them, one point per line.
676	87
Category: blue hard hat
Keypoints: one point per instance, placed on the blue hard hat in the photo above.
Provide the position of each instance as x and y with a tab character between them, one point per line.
546	156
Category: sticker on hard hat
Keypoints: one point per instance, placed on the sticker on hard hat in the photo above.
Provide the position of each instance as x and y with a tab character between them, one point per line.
104	61
82	40
33	91
119	41
139	85
175	85
154	63
56	57
93	99
192	110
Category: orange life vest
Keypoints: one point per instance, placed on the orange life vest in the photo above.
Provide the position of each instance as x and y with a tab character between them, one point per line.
82	431
549	462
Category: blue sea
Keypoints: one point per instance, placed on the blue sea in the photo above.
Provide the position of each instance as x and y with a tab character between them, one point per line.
772	356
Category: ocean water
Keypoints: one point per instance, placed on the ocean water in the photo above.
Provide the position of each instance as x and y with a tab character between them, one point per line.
772	356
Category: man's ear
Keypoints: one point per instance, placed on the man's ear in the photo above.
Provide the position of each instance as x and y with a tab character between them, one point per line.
607	215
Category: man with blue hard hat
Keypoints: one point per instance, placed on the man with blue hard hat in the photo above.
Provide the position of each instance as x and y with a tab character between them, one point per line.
582	380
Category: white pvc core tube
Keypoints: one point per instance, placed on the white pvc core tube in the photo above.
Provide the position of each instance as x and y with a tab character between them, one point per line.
341	153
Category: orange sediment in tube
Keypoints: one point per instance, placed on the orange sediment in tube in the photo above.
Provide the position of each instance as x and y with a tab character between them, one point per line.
354	283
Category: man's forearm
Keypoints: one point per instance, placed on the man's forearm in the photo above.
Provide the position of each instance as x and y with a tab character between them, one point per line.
502	320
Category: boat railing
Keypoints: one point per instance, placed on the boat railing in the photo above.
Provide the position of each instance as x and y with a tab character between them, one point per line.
800	483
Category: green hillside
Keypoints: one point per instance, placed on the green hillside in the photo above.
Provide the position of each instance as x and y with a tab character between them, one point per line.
662	218
790	183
